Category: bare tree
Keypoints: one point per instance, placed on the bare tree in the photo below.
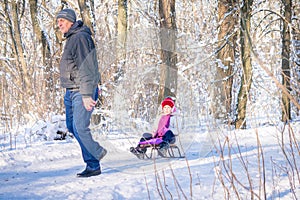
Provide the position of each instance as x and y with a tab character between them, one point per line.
87	13
168	68
227	12
42	40
246	81
296	49
13	12
121	38
285	59
39	33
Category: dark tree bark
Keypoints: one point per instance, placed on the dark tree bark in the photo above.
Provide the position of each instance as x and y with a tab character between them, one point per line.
168	69
246	81
285	59
86	13
225	59
121	39
296	55
42	39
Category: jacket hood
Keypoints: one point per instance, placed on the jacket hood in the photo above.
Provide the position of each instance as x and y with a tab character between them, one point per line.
78	27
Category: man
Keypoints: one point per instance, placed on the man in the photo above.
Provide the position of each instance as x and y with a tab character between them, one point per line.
80	76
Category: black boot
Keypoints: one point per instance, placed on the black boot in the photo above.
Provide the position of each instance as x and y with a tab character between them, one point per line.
163	149
89	172
137	152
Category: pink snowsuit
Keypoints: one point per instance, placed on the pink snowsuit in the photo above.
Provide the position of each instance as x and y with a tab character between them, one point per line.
163	126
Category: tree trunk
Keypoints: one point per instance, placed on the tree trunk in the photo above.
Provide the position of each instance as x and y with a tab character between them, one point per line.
86	13
168	69
47	97
15	34
22	82
246	62
40	35
296	46
121	39
226	57
285	59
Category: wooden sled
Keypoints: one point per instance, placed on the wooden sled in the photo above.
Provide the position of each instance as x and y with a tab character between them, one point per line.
172	152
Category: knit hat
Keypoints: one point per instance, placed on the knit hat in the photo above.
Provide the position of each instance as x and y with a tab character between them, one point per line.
167	101
67	14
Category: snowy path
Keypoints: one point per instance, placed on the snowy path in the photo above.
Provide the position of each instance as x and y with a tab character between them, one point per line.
48	171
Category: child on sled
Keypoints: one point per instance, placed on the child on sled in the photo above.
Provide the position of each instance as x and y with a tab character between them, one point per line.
163	136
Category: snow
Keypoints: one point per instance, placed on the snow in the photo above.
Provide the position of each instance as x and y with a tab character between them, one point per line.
46	169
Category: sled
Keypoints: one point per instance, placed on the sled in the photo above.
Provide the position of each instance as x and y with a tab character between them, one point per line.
173	151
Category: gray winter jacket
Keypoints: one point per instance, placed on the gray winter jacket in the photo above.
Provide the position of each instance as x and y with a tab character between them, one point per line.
79	65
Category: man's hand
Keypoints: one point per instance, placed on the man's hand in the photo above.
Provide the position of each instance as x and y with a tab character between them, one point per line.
88	103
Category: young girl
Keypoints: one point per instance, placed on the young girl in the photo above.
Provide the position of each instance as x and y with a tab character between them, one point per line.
163	136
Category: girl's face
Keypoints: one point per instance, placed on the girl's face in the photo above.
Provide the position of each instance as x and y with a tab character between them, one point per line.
167	109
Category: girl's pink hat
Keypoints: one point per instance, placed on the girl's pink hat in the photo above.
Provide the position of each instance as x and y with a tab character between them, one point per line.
167	101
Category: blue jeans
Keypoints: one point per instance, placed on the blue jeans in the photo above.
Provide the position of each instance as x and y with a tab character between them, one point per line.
78	121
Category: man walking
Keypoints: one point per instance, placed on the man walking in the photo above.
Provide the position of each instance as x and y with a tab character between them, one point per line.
80	76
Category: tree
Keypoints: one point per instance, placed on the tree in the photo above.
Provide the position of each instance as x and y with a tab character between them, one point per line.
296	46
245	27
39	33
285	59
168	68
87	13
225	58
121	38
42	41
13	11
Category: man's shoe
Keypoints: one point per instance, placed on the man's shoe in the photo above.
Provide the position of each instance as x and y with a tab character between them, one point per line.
89	173
103	153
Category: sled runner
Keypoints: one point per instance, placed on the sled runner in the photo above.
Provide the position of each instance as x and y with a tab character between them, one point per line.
172	151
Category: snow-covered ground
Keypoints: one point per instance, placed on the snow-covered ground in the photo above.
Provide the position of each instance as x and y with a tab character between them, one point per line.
40	169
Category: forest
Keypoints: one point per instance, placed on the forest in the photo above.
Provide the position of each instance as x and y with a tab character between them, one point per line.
232	66
225	61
